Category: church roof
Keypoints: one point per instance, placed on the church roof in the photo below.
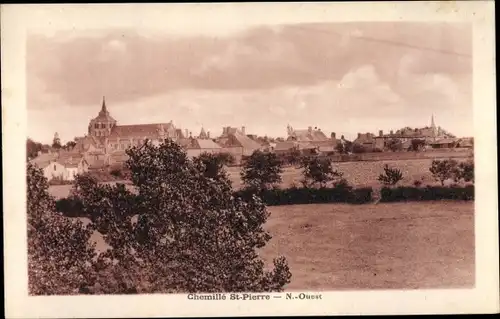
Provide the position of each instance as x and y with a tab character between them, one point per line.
139	130
306	135
203	144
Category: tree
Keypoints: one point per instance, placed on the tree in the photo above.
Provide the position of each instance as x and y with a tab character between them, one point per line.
443	169
465	171
214	164
262	170
32	148
293	158
395	145
319	171
69	145
183	232
60	257
226	158
344	148
391	176
417	145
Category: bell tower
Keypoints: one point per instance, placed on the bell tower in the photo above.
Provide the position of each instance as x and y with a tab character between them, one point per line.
102	125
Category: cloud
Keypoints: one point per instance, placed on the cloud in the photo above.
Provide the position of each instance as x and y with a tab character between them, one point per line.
333	76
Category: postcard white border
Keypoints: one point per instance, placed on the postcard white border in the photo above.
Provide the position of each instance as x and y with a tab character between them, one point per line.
17	19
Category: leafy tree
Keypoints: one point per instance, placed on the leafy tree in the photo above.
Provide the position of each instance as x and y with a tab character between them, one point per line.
293	158
69	145
32	148
319	171
60	257
226	158
214	164
395	145
417	145
391	176
465	171
262	170
182	232
443	169
344	148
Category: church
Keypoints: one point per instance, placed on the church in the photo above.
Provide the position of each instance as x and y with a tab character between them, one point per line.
106	141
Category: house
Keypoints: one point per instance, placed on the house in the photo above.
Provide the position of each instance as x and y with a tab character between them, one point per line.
237	143
51	168
74	163
368	142
445	143
466	142
197	146
308	135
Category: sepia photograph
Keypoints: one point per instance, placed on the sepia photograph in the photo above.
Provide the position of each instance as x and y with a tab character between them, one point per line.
263	160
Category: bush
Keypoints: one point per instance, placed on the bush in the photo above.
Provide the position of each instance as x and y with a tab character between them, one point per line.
358	148
427	193
296	196
465	171
262	171
443	169
391	176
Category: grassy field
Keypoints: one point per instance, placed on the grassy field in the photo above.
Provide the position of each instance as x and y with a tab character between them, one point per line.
358	174
383	246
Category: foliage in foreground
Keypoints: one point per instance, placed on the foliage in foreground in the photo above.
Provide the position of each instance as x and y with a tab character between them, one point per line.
60	256
182	232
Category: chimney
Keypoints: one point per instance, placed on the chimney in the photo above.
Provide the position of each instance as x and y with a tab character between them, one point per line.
333	136
380	133
310	129
359	135
186	133
243	130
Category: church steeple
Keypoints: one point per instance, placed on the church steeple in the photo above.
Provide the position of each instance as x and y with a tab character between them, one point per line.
433	125
103	107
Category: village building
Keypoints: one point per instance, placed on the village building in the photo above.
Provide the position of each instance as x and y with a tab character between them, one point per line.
310	139
61	165
107	141
237	143
197	146
430	135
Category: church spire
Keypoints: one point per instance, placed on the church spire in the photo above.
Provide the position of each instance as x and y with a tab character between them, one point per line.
433	125
103	108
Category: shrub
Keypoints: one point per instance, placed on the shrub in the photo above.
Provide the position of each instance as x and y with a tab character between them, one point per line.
318	171
262	171
417	183
443	169
304	195
358	148
60	257
427	193
465	171
395	145
416	145
391	176
189	233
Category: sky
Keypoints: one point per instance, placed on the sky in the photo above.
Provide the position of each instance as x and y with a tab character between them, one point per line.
341	77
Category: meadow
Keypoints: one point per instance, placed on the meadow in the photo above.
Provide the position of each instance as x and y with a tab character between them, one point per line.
373	246
358	174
